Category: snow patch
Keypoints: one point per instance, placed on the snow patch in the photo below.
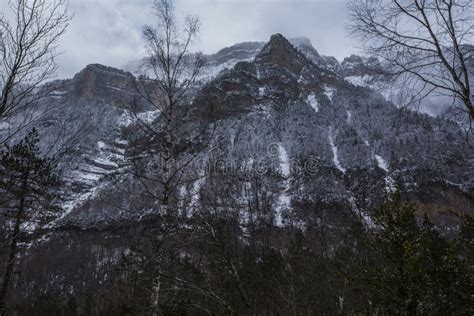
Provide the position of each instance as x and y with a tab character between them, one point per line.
57	93
4	125
78	200
213	71
329	92
120	89
121	142
196	189
105	162
381	163
335	157
359	81
284	161
101	144
149	116
125	119
284	200
389	181
91	177
313	102
258	72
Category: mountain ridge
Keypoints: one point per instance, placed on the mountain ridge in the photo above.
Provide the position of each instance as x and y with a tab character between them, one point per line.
323	142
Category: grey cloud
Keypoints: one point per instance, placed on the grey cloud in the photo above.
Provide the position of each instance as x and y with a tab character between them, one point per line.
109	31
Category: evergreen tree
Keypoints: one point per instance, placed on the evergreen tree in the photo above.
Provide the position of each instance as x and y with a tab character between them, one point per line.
28	199
410	267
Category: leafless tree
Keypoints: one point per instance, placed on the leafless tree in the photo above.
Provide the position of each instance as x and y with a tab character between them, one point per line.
165	84
166	79
29	38
426	43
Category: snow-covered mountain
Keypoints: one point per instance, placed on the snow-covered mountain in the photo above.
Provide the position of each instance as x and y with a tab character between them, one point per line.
323	134
280	93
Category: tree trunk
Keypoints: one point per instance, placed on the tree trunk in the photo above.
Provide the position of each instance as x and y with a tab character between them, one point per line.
167	157
471	110
11	259
155	295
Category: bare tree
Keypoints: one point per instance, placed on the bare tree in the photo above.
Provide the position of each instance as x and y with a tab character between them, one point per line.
165	84
167	77
28	47
424	41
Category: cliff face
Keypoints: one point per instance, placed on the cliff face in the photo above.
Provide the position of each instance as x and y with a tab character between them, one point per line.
324	138
107	84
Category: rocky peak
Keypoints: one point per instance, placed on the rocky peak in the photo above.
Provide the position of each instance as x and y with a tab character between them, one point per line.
280	52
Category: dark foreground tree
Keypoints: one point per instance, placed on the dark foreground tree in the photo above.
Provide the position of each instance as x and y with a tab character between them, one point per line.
28	199
429	42
404	266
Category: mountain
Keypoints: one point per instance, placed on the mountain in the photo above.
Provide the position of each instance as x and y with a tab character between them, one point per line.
302	123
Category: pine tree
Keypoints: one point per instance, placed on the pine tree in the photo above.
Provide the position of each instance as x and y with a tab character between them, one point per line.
28	199
411	268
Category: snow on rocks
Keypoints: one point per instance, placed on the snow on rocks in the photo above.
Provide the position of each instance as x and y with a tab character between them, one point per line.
196	190
389	181
329	92
335	157
56	94
284	199
381	163
149	116
128	118
4	125
101	144
359	81
93	171
313	102
125	120
212	71
284	161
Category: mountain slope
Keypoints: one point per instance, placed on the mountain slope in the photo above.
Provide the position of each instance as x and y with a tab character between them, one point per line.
289	125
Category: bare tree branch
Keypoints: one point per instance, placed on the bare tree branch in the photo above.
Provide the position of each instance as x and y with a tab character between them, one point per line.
427	40
28	48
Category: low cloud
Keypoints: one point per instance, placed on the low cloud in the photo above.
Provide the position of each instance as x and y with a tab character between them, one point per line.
109	31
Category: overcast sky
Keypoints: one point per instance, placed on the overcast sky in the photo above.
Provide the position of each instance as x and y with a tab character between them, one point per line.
109	31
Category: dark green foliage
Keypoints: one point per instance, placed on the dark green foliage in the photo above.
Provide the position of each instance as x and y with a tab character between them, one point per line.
28	197
28	177
405	266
